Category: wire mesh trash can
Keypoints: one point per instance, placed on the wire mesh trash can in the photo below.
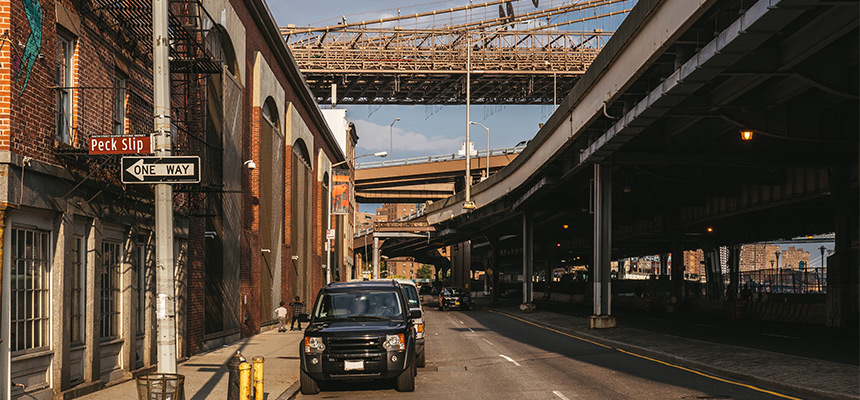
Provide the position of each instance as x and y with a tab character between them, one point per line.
161	387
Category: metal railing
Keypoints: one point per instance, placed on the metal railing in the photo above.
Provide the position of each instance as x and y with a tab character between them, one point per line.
438	158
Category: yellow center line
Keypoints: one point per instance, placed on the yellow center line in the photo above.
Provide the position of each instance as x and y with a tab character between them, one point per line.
647	358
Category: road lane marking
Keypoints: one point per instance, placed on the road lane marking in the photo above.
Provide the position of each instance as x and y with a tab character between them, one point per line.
488	342
781	336
470	329
751	387
560	396
551	329
510	359
461	322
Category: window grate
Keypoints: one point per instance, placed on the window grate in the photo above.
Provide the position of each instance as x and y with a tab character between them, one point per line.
30	290
109	304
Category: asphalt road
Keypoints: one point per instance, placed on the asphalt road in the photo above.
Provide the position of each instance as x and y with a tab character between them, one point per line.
480	354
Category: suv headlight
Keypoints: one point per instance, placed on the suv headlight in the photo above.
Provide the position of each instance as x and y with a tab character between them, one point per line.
313	344
395	342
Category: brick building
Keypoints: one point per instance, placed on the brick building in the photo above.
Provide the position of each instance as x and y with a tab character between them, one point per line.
77	245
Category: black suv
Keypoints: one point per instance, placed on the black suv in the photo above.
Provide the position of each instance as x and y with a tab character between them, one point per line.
359	331
451	297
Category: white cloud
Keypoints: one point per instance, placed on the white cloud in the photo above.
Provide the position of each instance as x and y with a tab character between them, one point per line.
373	137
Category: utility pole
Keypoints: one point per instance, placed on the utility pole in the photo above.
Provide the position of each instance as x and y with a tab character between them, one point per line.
468	203
165	289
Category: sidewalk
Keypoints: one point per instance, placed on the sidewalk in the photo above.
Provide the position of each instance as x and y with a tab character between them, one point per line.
206	374
810	377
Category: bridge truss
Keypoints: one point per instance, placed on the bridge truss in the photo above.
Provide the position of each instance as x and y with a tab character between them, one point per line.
525	55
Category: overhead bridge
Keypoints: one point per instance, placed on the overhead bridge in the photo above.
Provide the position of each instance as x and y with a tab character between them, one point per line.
420	179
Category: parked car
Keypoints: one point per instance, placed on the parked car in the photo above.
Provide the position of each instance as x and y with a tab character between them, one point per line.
451	297
414	301
359	331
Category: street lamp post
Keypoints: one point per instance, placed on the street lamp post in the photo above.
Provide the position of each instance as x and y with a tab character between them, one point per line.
778	270
818	275
488	144
377	154
391	139
468	204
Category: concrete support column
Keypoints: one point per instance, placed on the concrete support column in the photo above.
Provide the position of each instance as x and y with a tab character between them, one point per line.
843	282
602	248
61	299
734	272
92	354
677	248
375	257
528	262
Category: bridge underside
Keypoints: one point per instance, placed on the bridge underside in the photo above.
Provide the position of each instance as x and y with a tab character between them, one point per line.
407	87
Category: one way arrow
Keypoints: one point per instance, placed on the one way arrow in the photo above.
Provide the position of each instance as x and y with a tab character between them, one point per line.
140	170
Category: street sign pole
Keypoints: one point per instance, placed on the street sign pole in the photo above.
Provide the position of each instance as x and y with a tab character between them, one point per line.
165	288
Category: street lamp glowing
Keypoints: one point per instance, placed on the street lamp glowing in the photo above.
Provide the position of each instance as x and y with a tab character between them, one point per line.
746	134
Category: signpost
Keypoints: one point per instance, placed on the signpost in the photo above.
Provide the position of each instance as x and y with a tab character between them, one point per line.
160	169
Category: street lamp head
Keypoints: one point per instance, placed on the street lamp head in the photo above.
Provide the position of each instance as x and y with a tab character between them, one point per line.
397	119
381	154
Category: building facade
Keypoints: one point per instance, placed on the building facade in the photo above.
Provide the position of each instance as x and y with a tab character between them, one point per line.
77	245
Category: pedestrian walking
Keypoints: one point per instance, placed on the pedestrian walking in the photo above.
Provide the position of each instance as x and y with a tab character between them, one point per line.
281	313
298	307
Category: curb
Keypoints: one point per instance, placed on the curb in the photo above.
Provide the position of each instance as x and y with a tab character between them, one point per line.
290	393
683	362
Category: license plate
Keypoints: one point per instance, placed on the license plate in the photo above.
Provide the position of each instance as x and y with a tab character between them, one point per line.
353	365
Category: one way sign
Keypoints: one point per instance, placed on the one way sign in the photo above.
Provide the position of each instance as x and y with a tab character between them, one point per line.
160	169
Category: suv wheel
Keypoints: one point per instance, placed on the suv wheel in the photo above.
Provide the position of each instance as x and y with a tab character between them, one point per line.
421	360
406	381
308	384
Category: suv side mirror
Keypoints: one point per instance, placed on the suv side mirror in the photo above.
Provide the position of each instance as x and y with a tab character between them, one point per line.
415	314
304	317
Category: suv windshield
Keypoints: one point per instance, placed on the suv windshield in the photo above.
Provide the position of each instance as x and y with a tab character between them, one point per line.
359	304
411	295
454	292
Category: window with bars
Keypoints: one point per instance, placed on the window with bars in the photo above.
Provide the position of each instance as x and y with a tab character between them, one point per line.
119	83
65	57
79	277
30	290
109	306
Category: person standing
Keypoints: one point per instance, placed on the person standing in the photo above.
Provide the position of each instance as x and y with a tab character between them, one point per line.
281	313
298	307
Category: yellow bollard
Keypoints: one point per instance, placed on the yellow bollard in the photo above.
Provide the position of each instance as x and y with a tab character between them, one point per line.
244	381
258	377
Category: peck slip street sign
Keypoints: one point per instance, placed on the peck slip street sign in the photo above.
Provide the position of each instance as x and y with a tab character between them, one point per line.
160	169
121	144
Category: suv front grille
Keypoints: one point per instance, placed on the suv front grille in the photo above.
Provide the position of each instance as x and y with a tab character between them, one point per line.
352	347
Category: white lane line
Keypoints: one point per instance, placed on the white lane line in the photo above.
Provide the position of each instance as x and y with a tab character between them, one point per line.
780	336
461	322
470	329
510	359
560	396
488	342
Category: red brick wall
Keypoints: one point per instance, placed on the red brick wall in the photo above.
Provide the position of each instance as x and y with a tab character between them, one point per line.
32	125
